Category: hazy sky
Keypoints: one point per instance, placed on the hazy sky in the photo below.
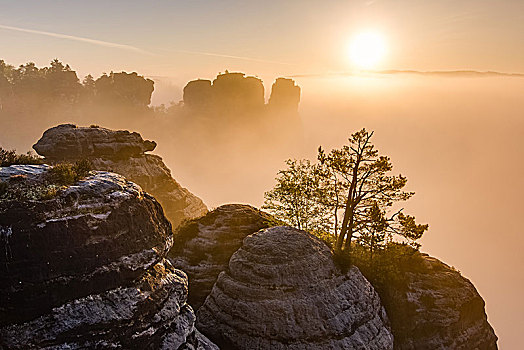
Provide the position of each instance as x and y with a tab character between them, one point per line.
187	39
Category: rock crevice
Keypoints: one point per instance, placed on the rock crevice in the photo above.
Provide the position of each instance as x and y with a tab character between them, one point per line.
203	246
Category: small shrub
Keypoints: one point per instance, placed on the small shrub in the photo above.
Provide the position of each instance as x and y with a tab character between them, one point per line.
62	174
343	260
8	158
325	237
49	192
82	168
67	174
94	126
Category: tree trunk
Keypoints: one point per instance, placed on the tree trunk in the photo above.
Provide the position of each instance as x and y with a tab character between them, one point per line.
350	233
348	213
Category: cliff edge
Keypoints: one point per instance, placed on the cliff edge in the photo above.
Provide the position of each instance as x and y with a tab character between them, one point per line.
83	266
124	153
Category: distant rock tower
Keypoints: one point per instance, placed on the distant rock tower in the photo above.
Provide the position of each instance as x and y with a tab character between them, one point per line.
231	92
235	91
198	94
285	95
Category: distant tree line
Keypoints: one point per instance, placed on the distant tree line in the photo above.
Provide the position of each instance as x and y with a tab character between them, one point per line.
37	98
58	84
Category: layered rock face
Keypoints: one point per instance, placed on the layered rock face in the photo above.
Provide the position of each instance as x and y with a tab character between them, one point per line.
67	141
204	246
282	290
433	307
122	152
85	267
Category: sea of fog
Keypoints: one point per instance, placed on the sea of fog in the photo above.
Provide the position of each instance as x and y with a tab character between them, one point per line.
459	141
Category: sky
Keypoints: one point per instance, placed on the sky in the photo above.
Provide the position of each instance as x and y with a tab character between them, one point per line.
188	39
450	128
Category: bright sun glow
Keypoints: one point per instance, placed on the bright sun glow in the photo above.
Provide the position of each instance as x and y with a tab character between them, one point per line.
367	49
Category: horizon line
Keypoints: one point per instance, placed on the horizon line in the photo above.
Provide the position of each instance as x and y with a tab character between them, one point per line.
456	72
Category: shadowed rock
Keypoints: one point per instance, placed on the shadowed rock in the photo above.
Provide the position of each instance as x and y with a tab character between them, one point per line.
85	267
235	91
198	94
122	152
204	246
431	306
230	92
285	95
282	290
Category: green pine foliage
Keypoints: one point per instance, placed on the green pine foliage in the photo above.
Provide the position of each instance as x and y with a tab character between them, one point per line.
347	197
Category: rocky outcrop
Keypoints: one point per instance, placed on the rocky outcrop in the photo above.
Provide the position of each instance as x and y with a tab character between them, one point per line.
67	141
122	152
229	92
431	306
85	267
233	92
282	290
198	94
285	95
204	246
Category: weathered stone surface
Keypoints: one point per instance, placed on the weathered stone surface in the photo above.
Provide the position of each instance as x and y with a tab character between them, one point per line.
86	268
431	306
149	315
122	152
282	290
67	141
204	246
30	171
150	172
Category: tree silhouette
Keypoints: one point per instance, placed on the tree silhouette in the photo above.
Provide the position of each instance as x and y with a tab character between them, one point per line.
353	182
371	191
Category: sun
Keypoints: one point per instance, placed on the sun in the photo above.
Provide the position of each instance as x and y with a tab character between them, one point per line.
367	49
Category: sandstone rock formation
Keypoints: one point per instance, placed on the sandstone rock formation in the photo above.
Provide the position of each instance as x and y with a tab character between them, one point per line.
85	267
122	152
229	92
285	95
282	290
235	92
431	306
198	94
204	246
